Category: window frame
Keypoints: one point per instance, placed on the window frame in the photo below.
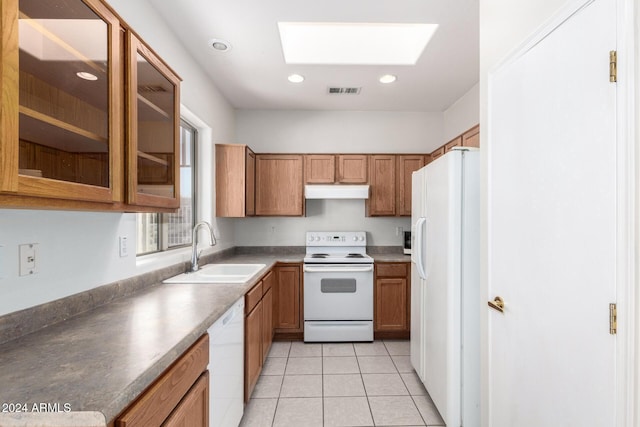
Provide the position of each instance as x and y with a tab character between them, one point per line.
162	219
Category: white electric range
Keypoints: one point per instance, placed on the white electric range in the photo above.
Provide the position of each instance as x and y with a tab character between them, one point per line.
338	287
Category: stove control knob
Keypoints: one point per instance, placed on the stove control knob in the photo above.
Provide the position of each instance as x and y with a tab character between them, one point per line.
310	238
317	238
362	238
355	238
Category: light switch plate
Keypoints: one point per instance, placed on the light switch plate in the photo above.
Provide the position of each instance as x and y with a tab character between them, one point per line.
28	259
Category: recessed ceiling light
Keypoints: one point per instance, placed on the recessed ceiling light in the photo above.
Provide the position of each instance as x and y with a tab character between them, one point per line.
388	78
220	45
354	43
86	76
295	78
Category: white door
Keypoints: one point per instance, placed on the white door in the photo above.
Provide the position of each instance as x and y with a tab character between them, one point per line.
552	228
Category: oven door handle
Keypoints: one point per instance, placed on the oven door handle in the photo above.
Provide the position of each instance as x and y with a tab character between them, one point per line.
309	269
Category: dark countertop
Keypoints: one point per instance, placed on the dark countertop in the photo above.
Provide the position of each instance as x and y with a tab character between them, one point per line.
98	362
391	257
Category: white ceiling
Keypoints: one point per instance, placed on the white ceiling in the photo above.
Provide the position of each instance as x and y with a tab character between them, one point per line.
253	75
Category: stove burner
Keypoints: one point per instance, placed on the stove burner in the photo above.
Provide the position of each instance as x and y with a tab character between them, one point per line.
319	255
354	256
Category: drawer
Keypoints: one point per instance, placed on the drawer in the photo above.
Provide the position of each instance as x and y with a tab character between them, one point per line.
157	402
267	282
252	297
400	269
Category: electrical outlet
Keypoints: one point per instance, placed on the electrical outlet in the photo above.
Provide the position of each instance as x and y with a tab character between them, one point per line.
124	247
28	259
398	231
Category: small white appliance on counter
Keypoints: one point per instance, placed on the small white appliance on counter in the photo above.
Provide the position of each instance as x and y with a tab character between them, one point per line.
445	284
226	367
338	287
406	249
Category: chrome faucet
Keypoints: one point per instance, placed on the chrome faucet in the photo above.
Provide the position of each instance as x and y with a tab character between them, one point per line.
194	244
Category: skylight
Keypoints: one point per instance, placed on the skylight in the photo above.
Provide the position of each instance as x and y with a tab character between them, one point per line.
354	43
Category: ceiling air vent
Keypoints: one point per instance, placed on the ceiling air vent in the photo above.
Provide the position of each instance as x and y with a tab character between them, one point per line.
344	90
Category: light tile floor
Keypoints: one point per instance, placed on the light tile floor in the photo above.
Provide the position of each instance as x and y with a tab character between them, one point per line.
360	384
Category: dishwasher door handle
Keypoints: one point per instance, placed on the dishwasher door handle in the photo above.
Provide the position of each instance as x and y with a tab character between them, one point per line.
229	317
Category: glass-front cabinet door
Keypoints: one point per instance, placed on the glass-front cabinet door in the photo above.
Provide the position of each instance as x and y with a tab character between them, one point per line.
153	129
65	139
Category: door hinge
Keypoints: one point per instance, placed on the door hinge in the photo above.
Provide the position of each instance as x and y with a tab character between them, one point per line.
613	319
613	66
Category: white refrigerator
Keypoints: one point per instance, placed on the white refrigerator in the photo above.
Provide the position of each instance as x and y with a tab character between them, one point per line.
445	282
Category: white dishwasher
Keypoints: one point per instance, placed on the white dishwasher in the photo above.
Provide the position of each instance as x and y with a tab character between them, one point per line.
226	368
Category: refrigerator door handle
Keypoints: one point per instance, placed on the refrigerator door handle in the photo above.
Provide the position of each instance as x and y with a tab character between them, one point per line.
420	224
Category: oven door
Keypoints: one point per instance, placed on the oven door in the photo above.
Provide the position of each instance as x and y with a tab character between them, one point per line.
338	292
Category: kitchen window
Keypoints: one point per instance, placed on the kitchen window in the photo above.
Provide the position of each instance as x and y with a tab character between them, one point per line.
163	231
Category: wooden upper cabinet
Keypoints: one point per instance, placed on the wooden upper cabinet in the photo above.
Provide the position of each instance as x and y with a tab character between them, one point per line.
235	180
61	112
456	142
279	185
250	183
471	138
437	153
382	179
89	116
407	164
352	168
319	169
153	139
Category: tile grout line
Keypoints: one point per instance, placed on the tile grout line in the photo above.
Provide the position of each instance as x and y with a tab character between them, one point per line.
322	381
364	387
273	420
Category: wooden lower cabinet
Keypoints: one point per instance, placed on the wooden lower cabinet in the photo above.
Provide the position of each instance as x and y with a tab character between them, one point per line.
267	323
179	397
288	299
258	330
193	410
252	349
392	300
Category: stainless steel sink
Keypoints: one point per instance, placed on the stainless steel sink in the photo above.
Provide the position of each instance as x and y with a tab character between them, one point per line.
219	273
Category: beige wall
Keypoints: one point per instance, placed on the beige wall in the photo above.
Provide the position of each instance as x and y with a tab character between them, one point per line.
462	114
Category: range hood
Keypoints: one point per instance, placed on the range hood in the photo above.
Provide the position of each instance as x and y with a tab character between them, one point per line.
336	191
